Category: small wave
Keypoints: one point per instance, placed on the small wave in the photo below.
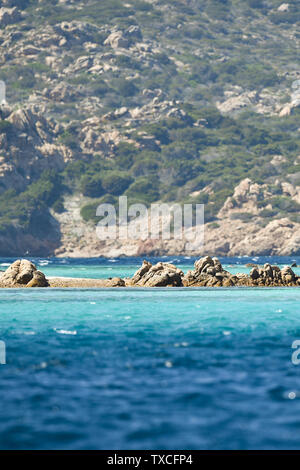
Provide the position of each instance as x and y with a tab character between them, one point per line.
5	264
168	364
65	332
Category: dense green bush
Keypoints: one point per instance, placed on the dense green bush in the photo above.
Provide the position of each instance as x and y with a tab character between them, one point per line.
159	130
92	186
144	190
145	165
289	17
58	206
244	216
125	88
75	169
5	126
88	211
115	182
255	3
268	213
218	9
99	88
284	204
29	209
125	154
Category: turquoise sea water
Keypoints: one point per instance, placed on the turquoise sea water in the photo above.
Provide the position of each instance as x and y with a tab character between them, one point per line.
155	369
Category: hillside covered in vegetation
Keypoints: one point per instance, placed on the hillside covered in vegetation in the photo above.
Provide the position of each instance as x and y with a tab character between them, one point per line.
160	100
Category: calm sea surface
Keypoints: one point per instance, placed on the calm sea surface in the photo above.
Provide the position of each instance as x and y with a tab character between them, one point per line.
157	369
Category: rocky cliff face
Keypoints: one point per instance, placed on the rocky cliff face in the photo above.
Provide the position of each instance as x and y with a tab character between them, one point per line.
29	146
229	235
191	101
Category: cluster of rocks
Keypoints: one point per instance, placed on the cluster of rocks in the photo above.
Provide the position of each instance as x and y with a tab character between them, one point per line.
124	39
208	272
23	273
273	276
159	275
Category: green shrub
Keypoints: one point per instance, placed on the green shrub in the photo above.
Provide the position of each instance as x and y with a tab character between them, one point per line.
5	126
213	225
58	206
125	88
75	169
125	153
255	3
46	190
244	216
91	186
289	17
144	190
268	213
69	139
115	182
159	130
146	164
88	212
100	88
283	203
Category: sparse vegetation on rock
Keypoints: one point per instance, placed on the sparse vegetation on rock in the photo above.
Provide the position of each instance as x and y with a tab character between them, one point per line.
158	100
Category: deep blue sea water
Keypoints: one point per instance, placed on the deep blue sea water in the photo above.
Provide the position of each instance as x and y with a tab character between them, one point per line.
167	368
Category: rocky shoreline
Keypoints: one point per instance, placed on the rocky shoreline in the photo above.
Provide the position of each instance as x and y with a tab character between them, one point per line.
207	272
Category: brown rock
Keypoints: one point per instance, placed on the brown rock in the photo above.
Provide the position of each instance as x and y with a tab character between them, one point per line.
287	275
203	263
254	274
141	271
159	275
38	280
23	273
227	282
217	265
115	282
117	40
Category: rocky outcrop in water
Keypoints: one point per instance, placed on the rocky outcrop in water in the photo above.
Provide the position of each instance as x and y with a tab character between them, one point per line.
272	276
209	272
159	275
23	273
